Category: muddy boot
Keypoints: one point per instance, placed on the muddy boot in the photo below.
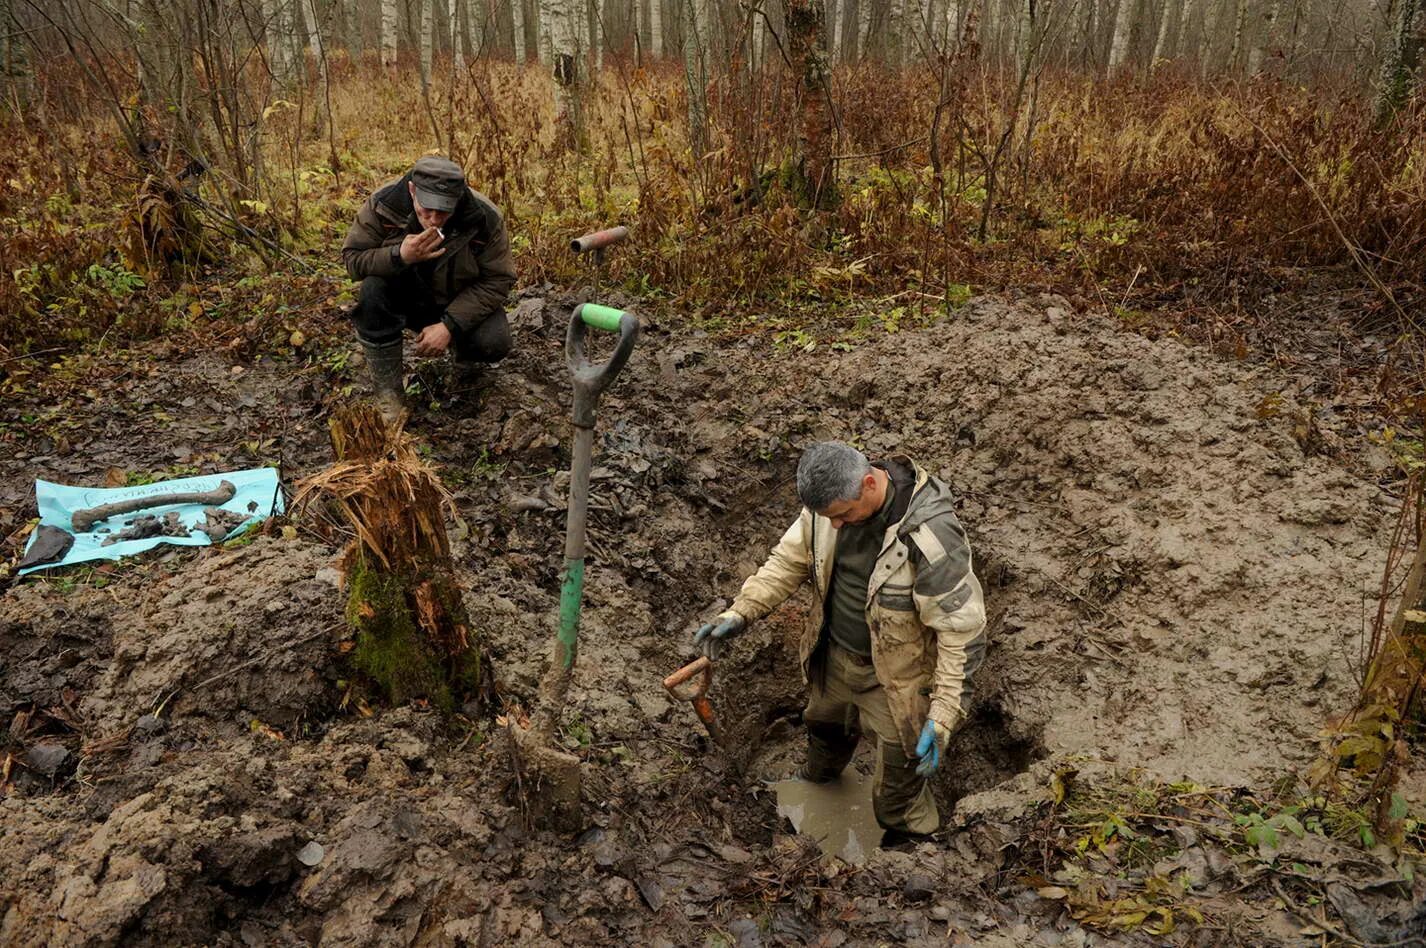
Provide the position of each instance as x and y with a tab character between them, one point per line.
829	749
385	364
902	841
901	798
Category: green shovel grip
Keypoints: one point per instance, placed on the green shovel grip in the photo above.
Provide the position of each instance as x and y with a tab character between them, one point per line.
601	317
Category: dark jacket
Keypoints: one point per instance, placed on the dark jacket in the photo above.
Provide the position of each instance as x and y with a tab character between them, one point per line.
470	280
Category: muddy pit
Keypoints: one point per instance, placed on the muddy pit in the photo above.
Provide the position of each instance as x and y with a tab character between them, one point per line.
1174	584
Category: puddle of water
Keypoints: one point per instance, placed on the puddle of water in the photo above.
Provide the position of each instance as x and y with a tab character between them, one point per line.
838	815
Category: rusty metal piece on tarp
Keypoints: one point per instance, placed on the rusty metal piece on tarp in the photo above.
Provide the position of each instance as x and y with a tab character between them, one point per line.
696	693
51	544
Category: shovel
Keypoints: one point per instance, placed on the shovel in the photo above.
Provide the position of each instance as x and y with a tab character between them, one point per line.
697	693
553	793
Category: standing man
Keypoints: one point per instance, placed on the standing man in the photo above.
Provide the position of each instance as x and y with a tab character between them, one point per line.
897	632
432	257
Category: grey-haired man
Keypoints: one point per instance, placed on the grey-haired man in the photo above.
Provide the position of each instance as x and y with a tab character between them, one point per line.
433	257
898	629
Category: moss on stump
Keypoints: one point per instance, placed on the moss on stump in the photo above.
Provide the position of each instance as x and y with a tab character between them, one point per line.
412	633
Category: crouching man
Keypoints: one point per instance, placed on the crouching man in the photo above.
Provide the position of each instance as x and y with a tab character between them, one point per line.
898	628
433	258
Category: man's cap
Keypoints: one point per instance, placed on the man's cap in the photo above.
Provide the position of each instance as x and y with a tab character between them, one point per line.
439	183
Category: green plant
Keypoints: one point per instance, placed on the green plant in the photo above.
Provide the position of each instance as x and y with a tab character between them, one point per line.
116	281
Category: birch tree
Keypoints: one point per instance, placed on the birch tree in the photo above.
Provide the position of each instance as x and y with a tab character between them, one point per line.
278	34
1168	21
563	17
863	28
387	33
545	13
1123	28
1267	38
656	28
423	40
953	25
459	36
307	12
837	11
895	26
517	30
351	27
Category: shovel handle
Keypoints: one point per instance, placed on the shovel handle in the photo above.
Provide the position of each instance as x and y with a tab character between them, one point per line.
592	378
699	665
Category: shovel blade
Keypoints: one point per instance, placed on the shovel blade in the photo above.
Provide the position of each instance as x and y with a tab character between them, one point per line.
548	784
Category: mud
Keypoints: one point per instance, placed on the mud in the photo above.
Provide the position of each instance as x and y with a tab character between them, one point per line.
838	816
1175	584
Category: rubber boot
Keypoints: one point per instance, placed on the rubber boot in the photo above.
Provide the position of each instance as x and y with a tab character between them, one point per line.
385	363
830	747
901	798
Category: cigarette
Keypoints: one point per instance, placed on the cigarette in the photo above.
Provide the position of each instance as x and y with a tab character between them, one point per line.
440	233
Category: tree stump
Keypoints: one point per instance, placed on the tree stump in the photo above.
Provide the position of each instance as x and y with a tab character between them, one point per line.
413	637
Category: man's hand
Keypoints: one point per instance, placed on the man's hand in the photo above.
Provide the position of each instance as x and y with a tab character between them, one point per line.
931	746
712	636
423	246
432	341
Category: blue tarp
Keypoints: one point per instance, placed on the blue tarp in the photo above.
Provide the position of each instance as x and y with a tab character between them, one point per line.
257	497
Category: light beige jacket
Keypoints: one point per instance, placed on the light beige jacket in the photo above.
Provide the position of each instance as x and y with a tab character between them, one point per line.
925	607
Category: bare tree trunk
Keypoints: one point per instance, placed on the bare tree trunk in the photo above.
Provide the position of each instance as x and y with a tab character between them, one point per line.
599	31
517	29
308	15
318	47
813	176
1210	21
1123	29
1024	31
546	11
637	30
895	28
656	44
459	35
565	55
351	28
759	37
863	28
1267	38
426	30
274	24
695	73
1236	47
837	11
1399	70
1168	21
388	33
14	59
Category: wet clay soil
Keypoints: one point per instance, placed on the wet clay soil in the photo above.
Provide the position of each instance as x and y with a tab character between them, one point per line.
1174	584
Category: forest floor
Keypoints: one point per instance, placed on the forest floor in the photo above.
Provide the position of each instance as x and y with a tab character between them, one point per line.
1179	549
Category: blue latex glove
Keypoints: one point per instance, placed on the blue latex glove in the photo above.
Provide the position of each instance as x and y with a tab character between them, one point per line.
930	746
712	636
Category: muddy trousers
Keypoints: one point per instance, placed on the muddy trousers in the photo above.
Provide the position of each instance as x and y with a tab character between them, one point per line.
387	305
901	798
